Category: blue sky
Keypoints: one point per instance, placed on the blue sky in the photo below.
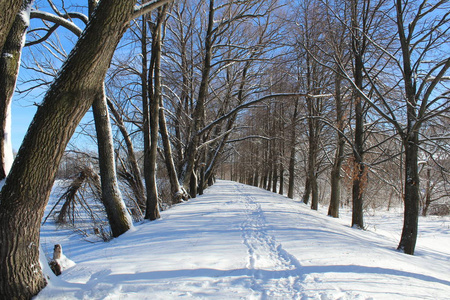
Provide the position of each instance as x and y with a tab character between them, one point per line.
22	113
23	108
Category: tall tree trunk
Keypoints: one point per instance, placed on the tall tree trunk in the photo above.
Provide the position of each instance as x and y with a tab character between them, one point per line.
335	195
281	190
146	76
314	191
410	142
292	154
155	93
411	215
193	184
312	156
199	111
358	184
275	175
118	216
28	185
269	175
9	70
307	191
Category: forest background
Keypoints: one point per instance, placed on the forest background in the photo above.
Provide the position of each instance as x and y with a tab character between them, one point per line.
338	102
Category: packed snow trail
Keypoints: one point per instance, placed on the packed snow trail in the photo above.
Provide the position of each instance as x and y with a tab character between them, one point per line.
267	256
241	242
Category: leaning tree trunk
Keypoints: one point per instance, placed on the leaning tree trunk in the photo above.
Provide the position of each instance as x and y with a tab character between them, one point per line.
118	216
9	70
137	185
28	185
178	193
9	10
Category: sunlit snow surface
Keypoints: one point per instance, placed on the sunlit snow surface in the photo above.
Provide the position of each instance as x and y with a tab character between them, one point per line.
241	242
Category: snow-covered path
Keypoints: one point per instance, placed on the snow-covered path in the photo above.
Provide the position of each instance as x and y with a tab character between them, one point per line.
241	242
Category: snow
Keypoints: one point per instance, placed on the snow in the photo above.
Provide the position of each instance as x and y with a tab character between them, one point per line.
25	14
241	242
64	262
7	146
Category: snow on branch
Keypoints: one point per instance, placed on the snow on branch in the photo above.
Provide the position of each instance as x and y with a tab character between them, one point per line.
148	7
60	21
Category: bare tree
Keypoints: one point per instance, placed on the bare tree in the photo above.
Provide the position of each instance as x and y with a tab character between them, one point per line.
28	185
418	83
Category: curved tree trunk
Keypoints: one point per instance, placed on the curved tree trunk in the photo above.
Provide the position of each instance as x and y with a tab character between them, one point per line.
28	185
118	216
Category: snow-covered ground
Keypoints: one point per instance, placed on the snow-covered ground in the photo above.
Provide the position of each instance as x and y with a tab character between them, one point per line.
241	242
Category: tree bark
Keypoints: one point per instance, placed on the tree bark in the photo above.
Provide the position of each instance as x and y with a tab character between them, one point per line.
9	10
118	216
9	70
428	189
313	138
411	201
292	154
28	185
410	142
358	183
307	192
281	190
335	195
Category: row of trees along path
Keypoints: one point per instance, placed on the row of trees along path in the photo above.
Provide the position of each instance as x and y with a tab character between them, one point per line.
247	88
